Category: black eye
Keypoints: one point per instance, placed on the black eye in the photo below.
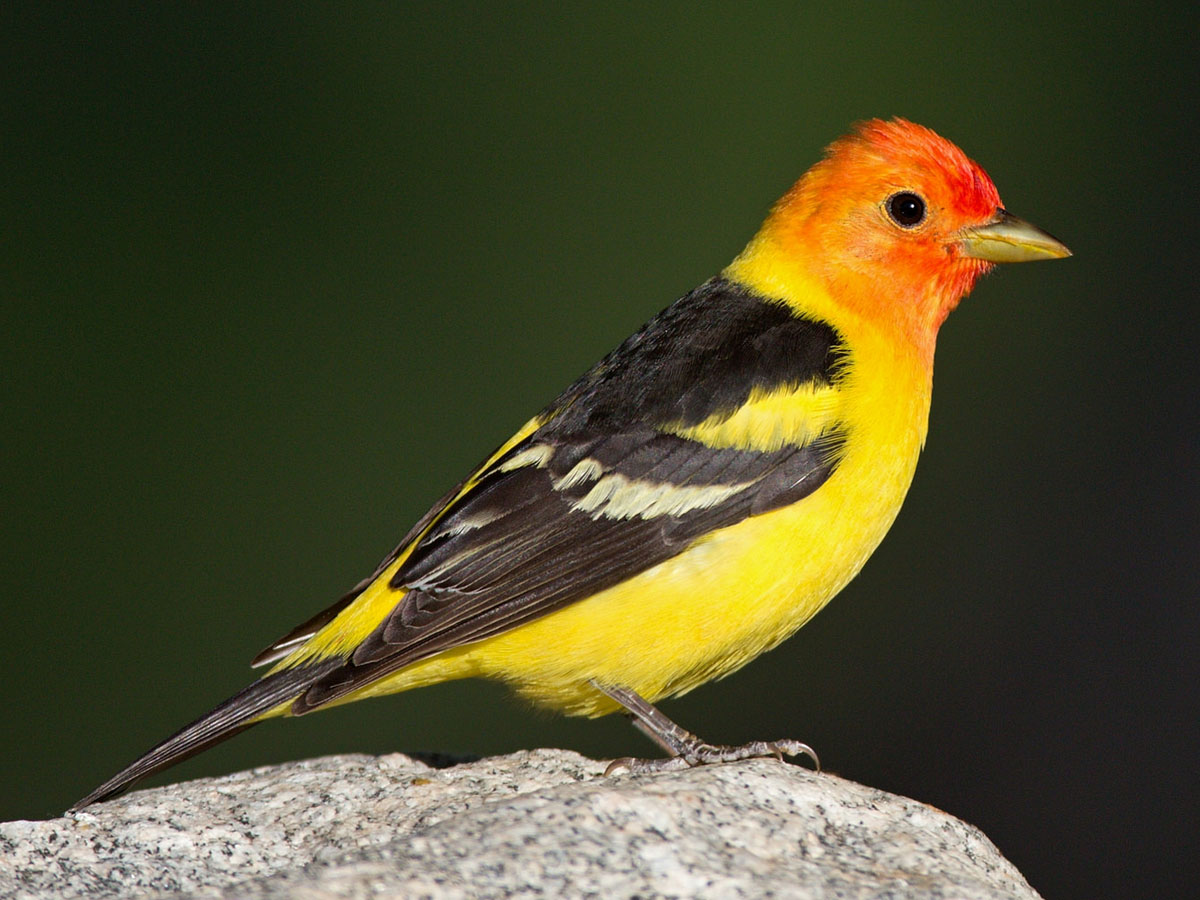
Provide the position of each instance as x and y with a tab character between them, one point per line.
906	209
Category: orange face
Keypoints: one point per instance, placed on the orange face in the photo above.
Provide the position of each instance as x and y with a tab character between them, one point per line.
882	219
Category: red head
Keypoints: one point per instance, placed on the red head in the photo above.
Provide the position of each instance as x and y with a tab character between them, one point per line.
899	224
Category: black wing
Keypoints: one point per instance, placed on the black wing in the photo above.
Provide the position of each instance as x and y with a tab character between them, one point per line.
527	541
599	493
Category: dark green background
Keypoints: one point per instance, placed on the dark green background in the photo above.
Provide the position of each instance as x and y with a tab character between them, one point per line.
273	279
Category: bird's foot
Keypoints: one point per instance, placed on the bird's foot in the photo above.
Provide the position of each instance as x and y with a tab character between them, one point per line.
701	753
685	748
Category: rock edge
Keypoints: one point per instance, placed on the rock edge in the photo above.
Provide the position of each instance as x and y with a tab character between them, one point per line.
535	823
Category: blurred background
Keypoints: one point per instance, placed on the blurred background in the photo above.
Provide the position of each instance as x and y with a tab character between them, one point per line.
274	278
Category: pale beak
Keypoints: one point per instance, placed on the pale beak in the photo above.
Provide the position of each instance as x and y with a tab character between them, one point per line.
1009	239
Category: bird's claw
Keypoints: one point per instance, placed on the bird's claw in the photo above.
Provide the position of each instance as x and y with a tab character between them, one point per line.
703	754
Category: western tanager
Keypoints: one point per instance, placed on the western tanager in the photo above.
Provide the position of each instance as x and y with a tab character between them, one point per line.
698	494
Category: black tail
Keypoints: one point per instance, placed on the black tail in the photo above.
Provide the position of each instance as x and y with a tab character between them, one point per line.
234	715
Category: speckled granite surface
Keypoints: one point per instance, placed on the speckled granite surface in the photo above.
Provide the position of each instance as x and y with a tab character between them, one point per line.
541	823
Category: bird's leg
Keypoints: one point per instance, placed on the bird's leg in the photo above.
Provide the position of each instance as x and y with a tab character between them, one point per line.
685	748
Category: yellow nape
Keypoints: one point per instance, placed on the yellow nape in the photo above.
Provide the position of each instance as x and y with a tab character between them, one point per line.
767	267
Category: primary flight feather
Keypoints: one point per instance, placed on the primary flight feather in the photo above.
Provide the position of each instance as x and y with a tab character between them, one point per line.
699	493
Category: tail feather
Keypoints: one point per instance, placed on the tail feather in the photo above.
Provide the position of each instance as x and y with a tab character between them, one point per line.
234	715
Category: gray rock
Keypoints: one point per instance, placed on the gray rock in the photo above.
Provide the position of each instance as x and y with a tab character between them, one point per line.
541	823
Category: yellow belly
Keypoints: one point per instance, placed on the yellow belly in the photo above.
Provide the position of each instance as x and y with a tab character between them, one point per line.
734	594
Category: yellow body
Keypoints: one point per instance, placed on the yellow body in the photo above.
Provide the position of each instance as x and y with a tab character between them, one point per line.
737	591
870	251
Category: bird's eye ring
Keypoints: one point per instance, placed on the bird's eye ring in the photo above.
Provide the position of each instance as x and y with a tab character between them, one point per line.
906	209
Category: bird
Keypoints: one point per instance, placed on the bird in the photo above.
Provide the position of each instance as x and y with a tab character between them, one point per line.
698	494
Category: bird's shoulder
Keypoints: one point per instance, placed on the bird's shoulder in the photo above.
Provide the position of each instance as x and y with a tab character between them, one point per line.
700	360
